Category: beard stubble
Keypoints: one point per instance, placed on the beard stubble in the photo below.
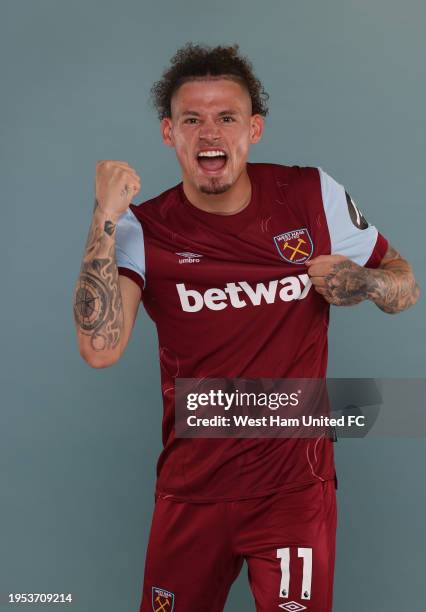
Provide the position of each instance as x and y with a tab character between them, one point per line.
215	187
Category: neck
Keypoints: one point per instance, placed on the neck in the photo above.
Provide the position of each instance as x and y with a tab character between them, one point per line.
228	203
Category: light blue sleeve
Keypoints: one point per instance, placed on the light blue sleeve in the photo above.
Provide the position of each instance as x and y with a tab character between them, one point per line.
350	234
129	245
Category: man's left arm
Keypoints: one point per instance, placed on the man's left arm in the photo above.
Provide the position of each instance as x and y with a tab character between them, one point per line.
391	286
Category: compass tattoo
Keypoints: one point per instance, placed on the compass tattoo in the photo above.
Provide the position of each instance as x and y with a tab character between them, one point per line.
98	311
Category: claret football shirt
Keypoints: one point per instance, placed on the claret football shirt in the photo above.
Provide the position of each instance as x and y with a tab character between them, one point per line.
231	297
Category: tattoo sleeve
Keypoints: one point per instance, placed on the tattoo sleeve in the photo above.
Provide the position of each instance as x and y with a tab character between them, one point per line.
98	311
392	286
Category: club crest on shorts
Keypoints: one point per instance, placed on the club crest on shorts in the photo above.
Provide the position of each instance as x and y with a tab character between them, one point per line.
162	600
296	246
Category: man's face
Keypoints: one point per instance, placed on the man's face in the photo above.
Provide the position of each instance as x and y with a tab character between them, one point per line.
211	128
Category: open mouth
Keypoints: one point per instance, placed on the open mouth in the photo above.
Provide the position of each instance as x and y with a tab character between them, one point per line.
212	161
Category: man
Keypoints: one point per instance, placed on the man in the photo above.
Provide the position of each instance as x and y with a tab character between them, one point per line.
237	266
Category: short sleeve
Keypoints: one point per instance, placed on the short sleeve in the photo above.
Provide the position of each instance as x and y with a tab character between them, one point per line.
350	233
130	248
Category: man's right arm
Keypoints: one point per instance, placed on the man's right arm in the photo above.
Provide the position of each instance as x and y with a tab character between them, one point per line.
105	303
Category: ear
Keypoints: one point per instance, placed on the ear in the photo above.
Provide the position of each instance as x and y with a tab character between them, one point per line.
256	128
167	132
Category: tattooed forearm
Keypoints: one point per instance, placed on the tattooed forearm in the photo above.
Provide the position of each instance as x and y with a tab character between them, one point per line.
392	287
98	311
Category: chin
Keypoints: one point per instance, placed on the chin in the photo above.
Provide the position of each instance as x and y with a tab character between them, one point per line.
214	184
214	187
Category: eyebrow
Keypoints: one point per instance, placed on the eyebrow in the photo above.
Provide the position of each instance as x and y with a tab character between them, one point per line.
225	112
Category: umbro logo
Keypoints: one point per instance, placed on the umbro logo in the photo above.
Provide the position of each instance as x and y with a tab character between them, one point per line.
187	257
292	606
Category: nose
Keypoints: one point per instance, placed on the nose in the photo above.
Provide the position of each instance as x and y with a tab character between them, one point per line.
209	130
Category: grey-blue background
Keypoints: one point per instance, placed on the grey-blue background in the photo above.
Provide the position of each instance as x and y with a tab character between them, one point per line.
79	446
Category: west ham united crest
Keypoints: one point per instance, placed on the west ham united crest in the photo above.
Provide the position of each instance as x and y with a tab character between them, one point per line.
296	246
162	600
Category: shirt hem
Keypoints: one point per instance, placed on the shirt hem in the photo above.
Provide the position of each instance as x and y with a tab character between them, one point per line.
211	500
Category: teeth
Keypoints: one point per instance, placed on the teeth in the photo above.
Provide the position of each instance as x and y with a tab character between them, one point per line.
211	154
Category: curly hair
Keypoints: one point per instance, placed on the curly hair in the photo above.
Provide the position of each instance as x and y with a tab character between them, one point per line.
193	62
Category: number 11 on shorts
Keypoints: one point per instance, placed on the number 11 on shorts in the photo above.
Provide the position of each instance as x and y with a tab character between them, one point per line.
284	555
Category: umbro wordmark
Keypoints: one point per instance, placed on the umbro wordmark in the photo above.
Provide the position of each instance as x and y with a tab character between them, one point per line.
241	294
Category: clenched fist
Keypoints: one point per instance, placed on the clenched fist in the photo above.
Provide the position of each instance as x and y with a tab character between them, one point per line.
338	279
116	184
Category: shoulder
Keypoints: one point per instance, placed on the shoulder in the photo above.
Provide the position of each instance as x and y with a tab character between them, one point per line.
285	175
158	205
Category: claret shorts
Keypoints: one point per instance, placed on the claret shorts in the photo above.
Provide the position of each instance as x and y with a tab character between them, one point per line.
196	551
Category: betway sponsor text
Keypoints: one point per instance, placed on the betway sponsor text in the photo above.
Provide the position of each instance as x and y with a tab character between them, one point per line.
241	294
